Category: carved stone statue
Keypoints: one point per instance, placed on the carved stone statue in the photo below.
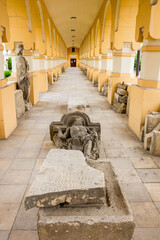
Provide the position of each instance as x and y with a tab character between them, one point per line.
23	77
78	134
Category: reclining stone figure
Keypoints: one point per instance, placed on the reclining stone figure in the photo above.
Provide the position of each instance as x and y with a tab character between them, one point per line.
77	136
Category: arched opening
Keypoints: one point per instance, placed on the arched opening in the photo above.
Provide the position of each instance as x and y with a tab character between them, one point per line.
28	15
50	32
97	38
92	43
106	28
42	20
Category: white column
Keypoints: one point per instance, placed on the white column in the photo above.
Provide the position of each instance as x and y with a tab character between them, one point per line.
123	60
107	61
150	66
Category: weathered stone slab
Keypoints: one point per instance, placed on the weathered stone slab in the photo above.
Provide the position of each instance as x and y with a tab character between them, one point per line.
113	221
76	104
155	143
151	122
20	106
122	92
119	107
66	178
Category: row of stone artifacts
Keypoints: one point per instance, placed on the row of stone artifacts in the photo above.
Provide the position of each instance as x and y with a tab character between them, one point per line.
120	98
22	94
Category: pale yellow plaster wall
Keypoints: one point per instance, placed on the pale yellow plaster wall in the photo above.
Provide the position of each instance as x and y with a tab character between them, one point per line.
8	121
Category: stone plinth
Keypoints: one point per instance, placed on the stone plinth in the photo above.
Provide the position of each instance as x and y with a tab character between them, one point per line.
66	178
155	144
76	104
112	221
20	107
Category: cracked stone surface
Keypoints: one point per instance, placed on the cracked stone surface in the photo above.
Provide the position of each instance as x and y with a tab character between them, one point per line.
65	177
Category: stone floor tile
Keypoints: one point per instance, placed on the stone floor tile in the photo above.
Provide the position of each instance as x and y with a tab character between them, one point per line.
149	175
157	204
154	191
12	193
25	163
4	153
143	162
136	152
115	152
121	163
2	173
26	220
33	175
8	214
38	163
145	215
156	160
127	176
28	153
16	177
136	192
5	163
43	153
4	235
131	143
147	234
23	235
48	145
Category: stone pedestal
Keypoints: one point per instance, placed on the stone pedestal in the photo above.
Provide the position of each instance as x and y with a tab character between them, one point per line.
111	221
20	106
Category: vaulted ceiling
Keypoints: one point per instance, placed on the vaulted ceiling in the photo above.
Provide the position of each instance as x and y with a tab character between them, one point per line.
84	11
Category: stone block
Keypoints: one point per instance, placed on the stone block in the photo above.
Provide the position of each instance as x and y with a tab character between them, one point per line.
111	221
76	104
151	121
122	86
155	143
20	106
66	178
119	107
122	92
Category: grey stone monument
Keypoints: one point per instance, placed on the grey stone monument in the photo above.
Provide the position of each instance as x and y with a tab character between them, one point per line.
23	77
75	131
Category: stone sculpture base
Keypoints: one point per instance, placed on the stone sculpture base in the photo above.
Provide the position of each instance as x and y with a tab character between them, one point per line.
20	106
112	221
28	106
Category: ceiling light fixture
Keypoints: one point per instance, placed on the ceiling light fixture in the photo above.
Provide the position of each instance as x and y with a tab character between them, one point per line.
73	30
74	18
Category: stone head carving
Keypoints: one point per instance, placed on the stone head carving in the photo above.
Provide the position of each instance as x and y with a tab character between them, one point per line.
20	50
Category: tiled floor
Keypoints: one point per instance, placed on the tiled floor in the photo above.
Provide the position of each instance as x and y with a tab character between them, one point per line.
23	153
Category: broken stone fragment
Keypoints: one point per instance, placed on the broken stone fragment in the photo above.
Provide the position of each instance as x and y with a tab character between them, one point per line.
151	121
155	143
20	107
122	86
122	92
120	107
66	178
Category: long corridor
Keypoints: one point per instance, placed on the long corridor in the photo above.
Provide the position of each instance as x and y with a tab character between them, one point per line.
23	153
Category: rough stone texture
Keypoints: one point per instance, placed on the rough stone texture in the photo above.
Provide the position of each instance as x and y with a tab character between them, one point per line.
23	77
76	104
65	178
54	78
151	122
85	71
20	107
122	86
122	92
155	143
62	69
105	89
75	131
108	222
119	107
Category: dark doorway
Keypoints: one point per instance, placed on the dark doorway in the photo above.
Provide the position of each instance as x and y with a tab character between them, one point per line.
73	62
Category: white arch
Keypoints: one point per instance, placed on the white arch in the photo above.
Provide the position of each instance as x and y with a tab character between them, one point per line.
97	25
42	20
117	15
104	19
28	10
50	32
